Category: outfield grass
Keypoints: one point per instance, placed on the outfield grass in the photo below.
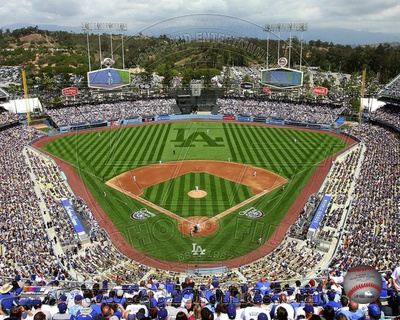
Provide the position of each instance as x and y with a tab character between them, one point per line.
116	151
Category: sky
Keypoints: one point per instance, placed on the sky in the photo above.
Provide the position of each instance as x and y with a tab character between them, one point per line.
378	16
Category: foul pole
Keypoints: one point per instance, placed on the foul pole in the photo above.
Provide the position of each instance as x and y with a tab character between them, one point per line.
26	97
364	73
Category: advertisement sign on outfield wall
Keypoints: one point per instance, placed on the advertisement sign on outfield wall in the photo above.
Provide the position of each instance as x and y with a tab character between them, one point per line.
259	119
244	118
148	119
276	121
131	120
163	118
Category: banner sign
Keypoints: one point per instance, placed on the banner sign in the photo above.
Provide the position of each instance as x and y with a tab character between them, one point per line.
73	217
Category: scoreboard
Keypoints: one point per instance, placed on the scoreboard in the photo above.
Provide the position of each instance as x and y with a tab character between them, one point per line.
282	78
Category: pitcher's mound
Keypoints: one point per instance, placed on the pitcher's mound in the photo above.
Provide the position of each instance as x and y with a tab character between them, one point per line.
197	194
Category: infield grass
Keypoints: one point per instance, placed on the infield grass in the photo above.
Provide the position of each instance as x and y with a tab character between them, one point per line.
100	158
222	194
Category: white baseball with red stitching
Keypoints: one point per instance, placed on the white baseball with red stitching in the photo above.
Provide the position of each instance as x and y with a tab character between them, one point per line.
362	284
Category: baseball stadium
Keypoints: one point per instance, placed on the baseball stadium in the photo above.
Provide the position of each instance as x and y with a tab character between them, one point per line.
194	193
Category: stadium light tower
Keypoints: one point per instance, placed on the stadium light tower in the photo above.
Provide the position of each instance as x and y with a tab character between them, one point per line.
286	27
105	27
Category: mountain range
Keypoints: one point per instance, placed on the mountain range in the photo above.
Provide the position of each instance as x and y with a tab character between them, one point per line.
334	35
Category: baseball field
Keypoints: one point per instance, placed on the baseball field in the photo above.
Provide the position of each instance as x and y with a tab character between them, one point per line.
195	192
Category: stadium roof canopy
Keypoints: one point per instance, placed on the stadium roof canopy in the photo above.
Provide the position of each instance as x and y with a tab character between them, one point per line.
23	105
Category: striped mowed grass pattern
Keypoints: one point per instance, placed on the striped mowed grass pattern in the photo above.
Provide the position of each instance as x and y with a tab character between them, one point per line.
99	158
222	194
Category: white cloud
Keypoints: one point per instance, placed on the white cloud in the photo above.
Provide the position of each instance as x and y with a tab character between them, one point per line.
368	15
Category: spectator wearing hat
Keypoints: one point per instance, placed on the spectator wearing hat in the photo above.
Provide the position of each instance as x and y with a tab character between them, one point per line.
61	299
37	307
162	314
215	282
354	312
86	312
331	301
310	300
5	297
77	305
374	312
169	286
62	313
262	316
231	312
252	312
309	313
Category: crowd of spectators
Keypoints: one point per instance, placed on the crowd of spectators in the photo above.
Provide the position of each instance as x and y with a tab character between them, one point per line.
318	113
393	88
290	260
86	261
312	113
110	111
25	243
6	117
376	204
10	74
190	300
388	114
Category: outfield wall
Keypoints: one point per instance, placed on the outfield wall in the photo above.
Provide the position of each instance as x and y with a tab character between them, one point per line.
160	118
